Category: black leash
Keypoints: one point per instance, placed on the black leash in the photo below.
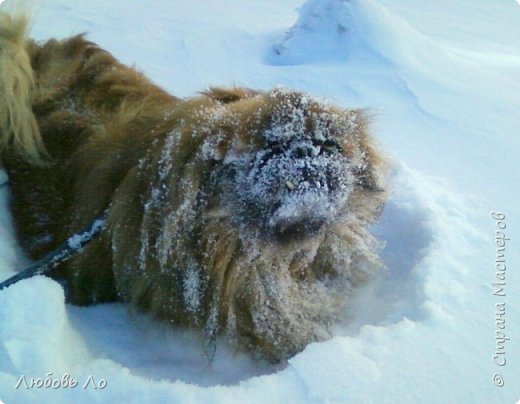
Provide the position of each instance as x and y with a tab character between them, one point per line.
71	246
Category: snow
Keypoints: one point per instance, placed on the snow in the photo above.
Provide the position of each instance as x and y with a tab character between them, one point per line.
77	241
442	80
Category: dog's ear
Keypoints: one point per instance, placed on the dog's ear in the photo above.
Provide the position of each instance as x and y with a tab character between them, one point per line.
229	95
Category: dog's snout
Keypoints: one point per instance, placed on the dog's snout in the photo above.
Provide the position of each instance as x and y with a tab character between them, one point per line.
305	151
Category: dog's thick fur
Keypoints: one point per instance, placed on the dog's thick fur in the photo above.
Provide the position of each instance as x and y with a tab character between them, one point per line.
237	212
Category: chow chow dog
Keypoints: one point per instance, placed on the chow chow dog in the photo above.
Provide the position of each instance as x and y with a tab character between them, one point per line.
239	213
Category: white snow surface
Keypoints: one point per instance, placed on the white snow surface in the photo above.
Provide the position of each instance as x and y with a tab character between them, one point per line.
442	80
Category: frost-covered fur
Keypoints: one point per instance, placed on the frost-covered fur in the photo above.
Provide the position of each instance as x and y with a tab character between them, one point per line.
239	213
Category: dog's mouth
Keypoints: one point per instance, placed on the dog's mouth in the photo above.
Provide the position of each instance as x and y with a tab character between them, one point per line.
292	189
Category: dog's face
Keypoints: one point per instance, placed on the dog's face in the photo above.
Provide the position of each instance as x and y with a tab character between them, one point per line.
293	174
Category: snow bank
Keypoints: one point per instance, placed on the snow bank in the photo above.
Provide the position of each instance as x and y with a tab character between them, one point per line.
412	301
367	32
323	33
34	327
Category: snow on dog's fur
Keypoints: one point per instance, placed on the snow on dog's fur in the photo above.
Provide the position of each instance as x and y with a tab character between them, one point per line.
238	212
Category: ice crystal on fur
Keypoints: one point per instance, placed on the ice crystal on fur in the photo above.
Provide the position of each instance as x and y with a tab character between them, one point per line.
157	196
192	288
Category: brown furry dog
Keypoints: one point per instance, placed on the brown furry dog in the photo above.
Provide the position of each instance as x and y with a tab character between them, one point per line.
238	212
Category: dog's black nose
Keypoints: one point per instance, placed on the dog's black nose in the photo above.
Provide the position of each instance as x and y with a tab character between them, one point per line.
305	151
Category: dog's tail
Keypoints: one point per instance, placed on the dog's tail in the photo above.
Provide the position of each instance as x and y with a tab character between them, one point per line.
19	131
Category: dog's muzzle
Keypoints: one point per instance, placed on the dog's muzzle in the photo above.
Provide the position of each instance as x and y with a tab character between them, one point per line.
292	189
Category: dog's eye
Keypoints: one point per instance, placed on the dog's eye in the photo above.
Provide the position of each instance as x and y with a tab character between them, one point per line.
331	146
303	152
274	146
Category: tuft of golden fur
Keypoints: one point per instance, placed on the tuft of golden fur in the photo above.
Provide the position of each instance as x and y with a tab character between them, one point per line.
17	123
237	212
